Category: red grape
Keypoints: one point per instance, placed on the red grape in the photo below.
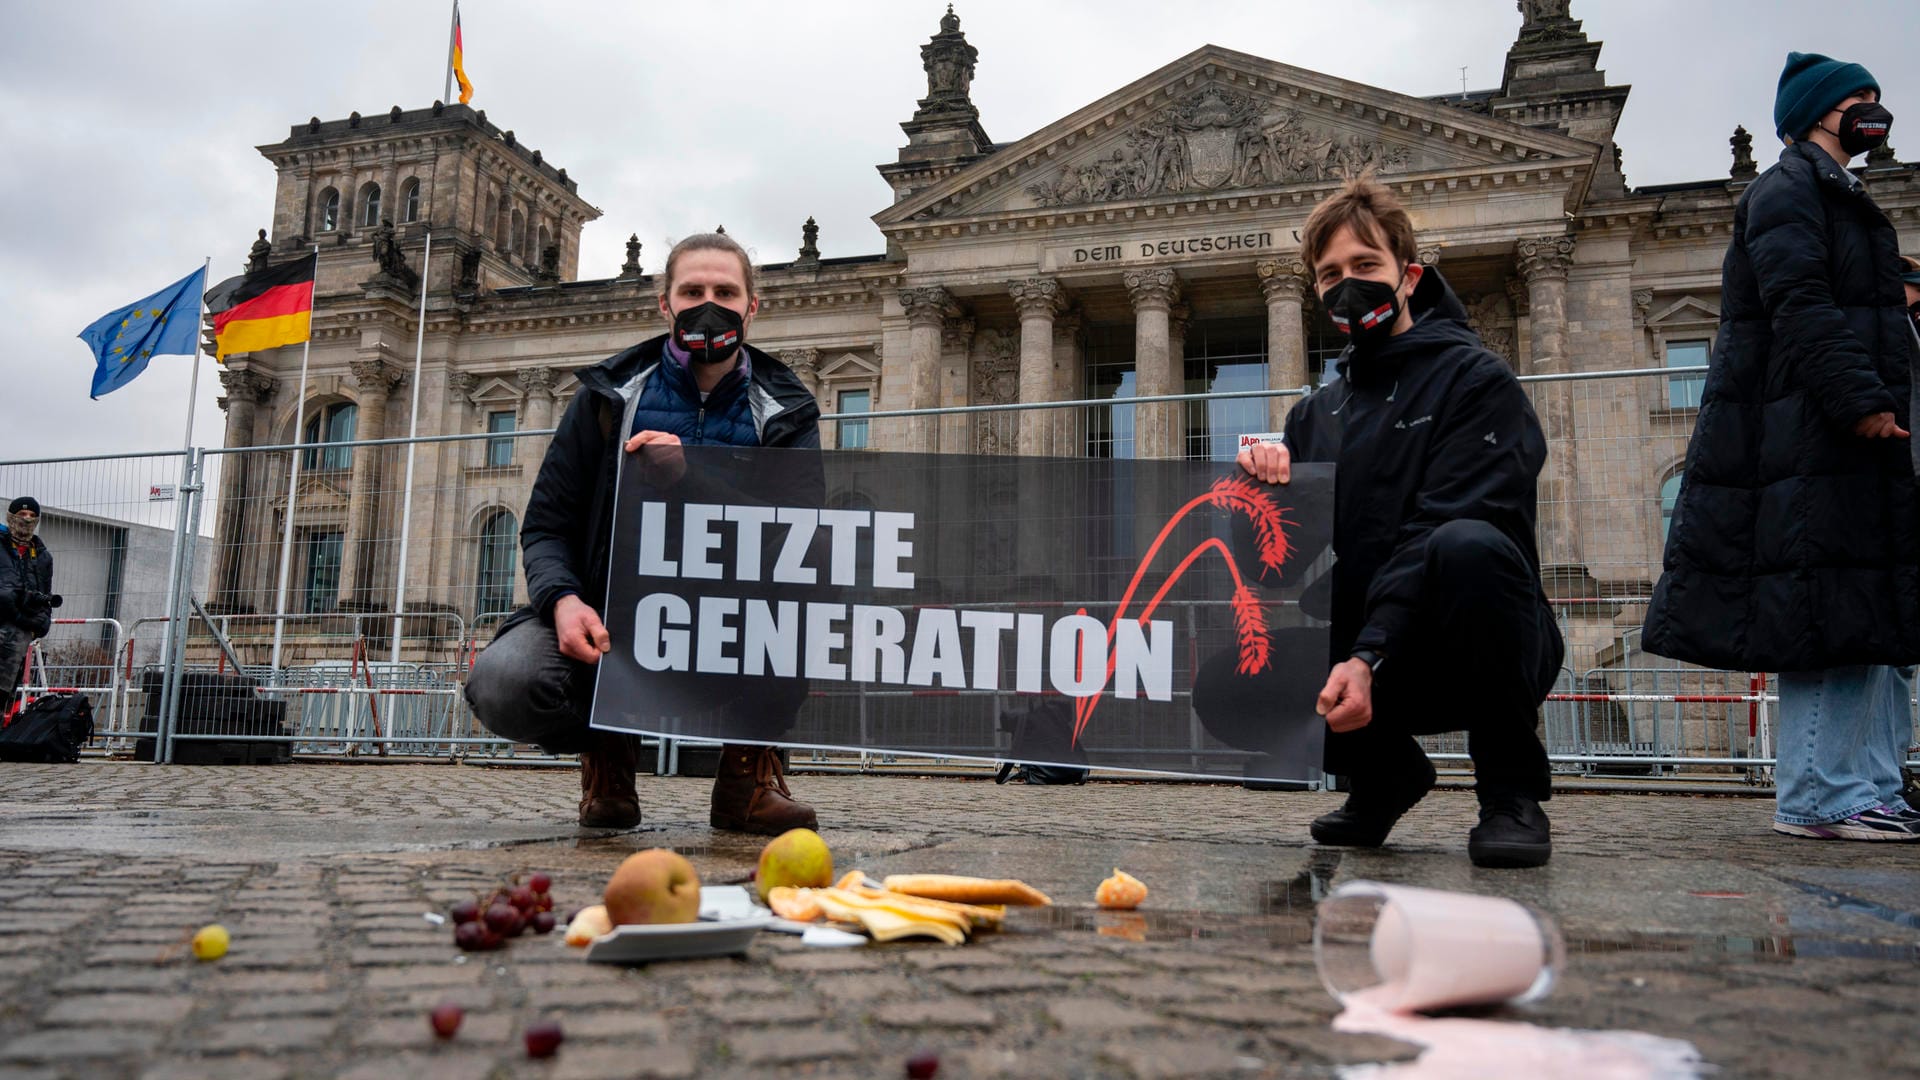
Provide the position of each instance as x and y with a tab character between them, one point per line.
521	897
543	922
540	883
923	1065
544	902
465	911
501	918
543	1039
446	1018
473	936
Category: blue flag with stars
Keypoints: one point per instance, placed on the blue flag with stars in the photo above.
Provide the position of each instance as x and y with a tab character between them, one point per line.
164	324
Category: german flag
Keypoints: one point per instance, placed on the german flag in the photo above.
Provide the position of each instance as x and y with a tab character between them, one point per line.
270	308
460	60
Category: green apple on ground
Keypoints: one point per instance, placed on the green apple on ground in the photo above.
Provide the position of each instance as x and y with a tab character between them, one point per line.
797	858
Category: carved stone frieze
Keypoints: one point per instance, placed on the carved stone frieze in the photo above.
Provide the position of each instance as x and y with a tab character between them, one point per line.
1217	139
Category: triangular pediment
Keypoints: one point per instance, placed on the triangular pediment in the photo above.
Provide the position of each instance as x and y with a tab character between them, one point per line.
1688	309
1222	122
849	366
316	496
495	389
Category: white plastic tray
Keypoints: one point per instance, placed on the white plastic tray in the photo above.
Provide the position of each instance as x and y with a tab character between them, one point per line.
723	930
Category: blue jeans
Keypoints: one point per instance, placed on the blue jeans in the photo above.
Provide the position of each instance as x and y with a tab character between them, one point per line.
1842	742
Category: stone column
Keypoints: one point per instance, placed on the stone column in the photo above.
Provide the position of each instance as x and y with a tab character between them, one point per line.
1179	317
806	364
536	383
1543	262
928	309
956	364
1037	300
1069	363
1154	292
1284	282
446	507
374	379
235	567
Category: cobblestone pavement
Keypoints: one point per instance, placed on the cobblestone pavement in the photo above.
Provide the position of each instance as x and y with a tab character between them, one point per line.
1684	916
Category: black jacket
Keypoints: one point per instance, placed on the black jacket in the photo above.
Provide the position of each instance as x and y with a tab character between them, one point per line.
20	575
568	527
1795	544
1430	428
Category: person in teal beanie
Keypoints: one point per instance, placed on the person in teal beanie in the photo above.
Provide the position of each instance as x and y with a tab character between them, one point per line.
1795	540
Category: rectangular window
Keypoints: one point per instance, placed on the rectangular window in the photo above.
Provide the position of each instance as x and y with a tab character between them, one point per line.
1221	357
323	571
1683	391
1110	375
852	434
500	451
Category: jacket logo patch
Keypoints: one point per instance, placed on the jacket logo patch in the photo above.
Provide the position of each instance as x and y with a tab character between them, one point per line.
1405	424
1491	439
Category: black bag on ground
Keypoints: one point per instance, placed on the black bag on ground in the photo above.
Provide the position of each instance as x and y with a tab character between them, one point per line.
53	728
1042	730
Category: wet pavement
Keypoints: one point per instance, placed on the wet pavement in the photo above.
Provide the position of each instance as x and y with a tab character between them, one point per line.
1684	917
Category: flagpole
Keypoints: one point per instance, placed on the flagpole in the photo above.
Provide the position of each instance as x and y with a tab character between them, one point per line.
452	29
162	743
293	477
413	432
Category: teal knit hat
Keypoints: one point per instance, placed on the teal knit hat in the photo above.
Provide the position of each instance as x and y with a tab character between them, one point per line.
1810	86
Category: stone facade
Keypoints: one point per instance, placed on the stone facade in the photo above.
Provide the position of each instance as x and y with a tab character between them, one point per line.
1111	252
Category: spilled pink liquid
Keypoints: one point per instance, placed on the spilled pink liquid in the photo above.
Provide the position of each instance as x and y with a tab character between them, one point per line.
1461	1049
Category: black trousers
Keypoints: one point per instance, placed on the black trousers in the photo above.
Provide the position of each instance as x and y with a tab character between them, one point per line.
1482	656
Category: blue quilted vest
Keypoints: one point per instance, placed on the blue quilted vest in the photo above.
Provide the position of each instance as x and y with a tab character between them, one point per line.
670	402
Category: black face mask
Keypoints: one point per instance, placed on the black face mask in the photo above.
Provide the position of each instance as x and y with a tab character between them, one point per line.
709	333
1863	126
1364	310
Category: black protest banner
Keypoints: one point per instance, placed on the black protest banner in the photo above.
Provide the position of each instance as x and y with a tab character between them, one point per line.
1138	615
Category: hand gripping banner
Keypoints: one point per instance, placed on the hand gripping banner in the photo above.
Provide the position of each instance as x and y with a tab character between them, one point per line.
1128	615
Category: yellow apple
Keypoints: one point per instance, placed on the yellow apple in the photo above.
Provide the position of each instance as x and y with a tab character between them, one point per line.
798	859
654	886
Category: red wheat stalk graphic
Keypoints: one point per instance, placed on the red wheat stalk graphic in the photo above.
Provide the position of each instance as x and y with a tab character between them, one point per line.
1236	494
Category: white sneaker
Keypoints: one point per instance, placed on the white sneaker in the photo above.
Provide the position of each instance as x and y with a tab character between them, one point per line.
1876	824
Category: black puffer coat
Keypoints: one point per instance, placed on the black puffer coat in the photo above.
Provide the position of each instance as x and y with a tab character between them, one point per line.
1795	544
22	573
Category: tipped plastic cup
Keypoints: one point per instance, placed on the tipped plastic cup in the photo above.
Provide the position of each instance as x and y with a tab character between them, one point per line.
1405	949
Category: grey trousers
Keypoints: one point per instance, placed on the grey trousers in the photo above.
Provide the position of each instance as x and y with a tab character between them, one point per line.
521	688
14	645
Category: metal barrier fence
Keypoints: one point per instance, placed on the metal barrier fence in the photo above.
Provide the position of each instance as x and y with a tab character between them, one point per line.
295	582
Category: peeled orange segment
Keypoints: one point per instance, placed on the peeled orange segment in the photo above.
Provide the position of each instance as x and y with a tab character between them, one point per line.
795	904
1121	892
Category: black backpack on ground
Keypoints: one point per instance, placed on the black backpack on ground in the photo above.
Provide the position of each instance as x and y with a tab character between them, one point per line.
1042	729
53	728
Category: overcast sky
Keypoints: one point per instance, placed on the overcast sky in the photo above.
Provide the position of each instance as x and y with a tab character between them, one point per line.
128	128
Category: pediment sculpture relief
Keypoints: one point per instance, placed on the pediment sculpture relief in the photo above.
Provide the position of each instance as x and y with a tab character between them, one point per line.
1219	139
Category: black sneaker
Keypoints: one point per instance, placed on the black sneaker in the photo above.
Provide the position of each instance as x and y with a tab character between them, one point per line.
1365	822
1513	833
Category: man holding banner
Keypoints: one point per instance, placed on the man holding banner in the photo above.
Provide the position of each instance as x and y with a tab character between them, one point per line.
699	384
1439	619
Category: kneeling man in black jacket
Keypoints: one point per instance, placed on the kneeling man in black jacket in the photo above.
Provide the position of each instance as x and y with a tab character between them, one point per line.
1439	619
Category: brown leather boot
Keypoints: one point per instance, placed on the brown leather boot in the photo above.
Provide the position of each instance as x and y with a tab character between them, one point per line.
607	797
750	794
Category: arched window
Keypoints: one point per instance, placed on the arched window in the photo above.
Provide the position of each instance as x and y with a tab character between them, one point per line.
516	237
334	424
499	548
1669	497
370	205
546	241
329	210
410	200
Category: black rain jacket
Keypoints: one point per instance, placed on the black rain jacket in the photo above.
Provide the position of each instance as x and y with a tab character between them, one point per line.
1430	427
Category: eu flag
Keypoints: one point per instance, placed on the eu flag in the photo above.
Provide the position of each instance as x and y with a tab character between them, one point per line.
164	324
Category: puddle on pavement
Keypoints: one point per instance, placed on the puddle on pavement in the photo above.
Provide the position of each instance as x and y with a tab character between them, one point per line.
1152	925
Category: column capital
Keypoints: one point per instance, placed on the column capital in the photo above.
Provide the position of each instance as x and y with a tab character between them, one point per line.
929	305
1544	257
804	362
1429	256
375	376
1517	295
460	386
537	382
1036	296
1178	316
957	333
1282	279
247	386
1159	287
